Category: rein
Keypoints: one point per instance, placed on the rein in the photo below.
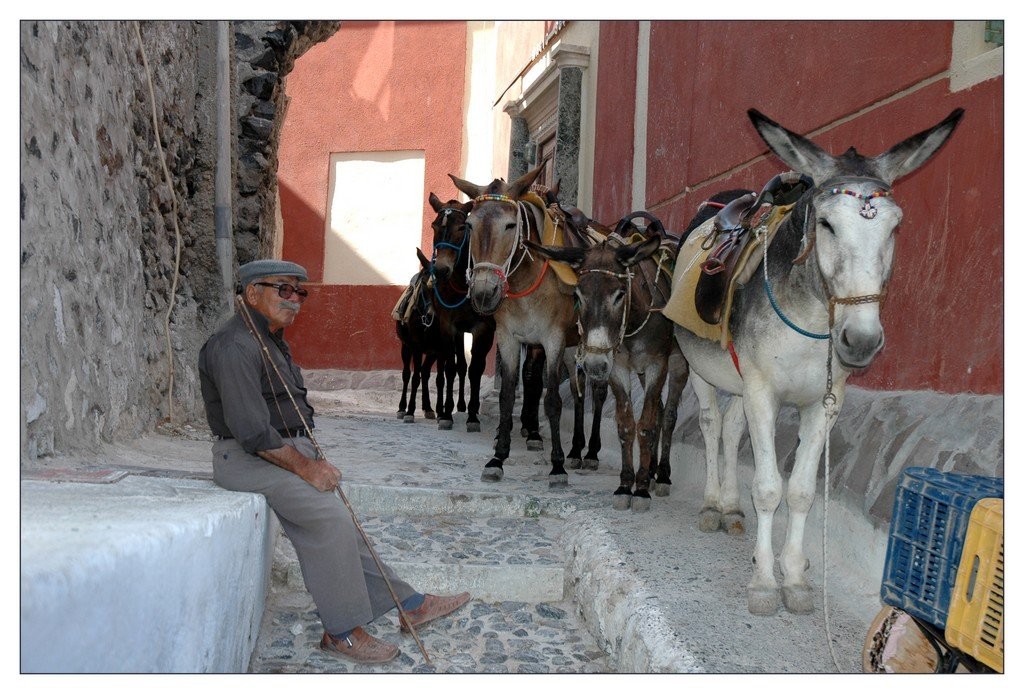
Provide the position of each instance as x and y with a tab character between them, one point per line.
268	361
506	269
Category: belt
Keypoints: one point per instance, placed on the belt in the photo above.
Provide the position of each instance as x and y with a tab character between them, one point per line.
286	433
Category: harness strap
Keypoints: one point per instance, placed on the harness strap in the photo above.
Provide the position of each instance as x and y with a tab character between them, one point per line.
735	358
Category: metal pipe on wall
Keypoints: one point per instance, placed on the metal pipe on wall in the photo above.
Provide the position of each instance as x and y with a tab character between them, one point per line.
222	200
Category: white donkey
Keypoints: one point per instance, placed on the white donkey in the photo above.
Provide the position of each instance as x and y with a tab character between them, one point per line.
799	328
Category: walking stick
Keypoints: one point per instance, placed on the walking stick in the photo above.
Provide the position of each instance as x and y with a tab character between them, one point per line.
265	354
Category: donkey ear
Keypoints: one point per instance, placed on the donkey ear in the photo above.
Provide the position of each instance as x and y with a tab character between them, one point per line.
908	155
796	151
635	252
423	259
470	189
435	202
522	184
564	254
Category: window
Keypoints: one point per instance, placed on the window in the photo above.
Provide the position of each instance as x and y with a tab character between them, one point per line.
374	217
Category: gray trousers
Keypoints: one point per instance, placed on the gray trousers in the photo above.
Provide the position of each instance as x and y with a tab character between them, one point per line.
337	566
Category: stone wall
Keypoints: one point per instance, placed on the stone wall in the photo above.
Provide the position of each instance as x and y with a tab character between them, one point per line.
101	228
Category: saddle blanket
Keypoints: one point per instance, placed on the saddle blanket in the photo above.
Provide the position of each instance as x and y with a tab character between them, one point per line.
681	307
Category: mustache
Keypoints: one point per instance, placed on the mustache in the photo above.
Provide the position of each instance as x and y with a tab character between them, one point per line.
291	305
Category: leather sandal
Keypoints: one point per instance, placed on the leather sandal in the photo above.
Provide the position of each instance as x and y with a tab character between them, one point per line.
434	606
360	647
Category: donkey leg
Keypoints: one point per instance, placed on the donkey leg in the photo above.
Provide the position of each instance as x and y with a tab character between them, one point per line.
710	420
494	469
626	427
647	433
406	373
446	400
417	374
732	430
428	363
460	367
761	409
797	596
483	338
598	395
678	375
558	477
533	386
577	386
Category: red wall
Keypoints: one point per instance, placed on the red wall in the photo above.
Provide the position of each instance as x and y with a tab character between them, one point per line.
373	86
944	315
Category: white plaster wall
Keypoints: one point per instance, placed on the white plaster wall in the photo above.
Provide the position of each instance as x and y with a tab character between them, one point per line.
143	576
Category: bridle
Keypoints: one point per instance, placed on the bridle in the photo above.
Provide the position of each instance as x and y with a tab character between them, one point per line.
444	243
867	211
511	263
583	349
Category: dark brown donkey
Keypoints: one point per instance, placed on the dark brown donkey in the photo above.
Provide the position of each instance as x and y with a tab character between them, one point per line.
529	302
620	290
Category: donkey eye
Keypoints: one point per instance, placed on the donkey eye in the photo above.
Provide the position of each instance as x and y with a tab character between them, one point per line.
511	226
618	296
824	223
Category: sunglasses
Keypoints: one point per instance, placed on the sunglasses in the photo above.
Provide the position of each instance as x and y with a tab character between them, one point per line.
286	290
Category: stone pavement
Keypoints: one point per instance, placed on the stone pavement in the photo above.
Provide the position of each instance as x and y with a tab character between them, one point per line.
561	582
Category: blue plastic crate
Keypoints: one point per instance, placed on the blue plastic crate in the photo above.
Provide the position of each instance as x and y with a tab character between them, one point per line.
929	525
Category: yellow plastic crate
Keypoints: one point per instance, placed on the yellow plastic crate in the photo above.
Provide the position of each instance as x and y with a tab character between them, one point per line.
975	623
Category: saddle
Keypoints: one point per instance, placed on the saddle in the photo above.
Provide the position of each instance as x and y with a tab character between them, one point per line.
626	232
729	240
722	254
403	309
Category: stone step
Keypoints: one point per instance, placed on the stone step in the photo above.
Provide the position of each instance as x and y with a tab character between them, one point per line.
519	620
494	558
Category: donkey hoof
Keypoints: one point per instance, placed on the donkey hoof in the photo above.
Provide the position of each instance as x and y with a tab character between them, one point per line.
492	474
621	501
401	414
408	419
574	463
710	520
590	463
472	427
445	424
798	599
535	444
428	414
558	480
662	488
732	523
641	504
763	601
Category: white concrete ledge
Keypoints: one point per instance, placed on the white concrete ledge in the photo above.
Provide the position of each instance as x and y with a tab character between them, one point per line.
145	575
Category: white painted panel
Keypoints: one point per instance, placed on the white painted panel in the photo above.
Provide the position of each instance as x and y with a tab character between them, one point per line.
374	217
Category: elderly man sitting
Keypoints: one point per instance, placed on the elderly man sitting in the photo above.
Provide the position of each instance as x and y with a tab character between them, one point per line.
258	413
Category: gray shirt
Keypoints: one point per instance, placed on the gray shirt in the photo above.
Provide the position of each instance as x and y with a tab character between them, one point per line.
243	395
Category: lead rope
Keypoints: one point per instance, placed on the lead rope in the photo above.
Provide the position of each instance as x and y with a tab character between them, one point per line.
831	412
829	403
265	355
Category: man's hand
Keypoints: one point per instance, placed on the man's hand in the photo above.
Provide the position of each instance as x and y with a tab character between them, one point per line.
319	473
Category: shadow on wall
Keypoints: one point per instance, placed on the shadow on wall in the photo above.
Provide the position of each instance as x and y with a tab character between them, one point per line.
305	237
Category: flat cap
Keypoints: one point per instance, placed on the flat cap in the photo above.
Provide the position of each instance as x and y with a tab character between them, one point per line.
258	269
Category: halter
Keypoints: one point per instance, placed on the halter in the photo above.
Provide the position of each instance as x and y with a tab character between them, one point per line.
882	191
445	212
505	270
586	349
868	212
